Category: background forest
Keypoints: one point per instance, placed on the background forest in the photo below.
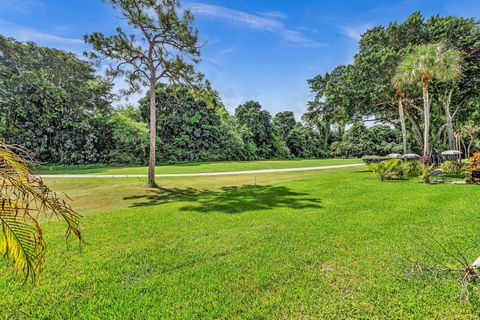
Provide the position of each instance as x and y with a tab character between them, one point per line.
57	105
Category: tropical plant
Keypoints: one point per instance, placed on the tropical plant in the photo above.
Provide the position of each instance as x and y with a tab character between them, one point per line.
474	163
426	63
411	168
392	169
22	198
469	133
427	172
452	167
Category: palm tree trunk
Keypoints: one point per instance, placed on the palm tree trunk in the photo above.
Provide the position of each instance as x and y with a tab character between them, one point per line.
449	122
153	135
402	124
426	116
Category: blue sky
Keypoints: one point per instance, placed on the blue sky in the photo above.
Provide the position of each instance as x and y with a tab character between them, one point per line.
256	49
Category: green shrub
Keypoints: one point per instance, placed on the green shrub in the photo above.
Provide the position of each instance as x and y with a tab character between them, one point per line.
453	167
412	168
396	169
389	170
427	173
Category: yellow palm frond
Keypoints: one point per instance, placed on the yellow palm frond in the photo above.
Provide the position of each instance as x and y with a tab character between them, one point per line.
22	198
21	240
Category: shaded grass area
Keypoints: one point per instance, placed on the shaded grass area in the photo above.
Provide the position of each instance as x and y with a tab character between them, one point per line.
194	167
309	245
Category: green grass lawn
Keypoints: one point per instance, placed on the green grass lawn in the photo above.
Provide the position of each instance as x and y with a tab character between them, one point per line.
193	167
307	245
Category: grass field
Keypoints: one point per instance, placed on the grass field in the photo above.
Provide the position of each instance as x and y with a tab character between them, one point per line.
307	245
193	167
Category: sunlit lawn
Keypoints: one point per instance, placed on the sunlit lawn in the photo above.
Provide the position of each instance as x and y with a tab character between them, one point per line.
193	167
314	245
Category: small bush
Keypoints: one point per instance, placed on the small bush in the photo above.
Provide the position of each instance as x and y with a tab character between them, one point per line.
452	167
427	173
389	170
412	168
474	163
474	166
396	169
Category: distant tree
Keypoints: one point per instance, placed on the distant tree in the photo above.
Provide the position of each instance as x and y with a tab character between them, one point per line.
129	137
23	197
297	141
251	116
333	105
361	140
191	127
162	45
469	133
429	62
284	122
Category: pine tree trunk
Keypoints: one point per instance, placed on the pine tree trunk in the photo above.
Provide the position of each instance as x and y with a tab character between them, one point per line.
426	115
402	124
153	136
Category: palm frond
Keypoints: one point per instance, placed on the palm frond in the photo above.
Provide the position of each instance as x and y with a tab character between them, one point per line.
23	197
21	240
434	60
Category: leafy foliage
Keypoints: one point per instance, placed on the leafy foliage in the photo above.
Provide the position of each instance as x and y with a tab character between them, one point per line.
50	103
474	163
360	140
190	130
453	167
427	171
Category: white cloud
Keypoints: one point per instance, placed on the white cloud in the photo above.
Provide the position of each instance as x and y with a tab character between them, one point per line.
57	39
22	33
274	14
355	32
20	6
267	22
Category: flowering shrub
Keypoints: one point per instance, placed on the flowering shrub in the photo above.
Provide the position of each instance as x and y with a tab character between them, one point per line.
475	161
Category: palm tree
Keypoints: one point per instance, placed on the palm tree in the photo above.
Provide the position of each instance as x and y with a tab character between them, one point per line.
22	197
401	114
426	63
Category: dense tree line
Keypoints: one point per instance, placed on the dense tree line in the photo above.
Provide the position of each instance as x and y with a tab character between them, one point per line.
54	104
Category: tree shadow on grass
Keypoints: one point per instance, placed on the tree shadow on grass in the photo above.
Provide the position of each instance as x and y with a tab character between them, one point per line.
231	200
156	196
